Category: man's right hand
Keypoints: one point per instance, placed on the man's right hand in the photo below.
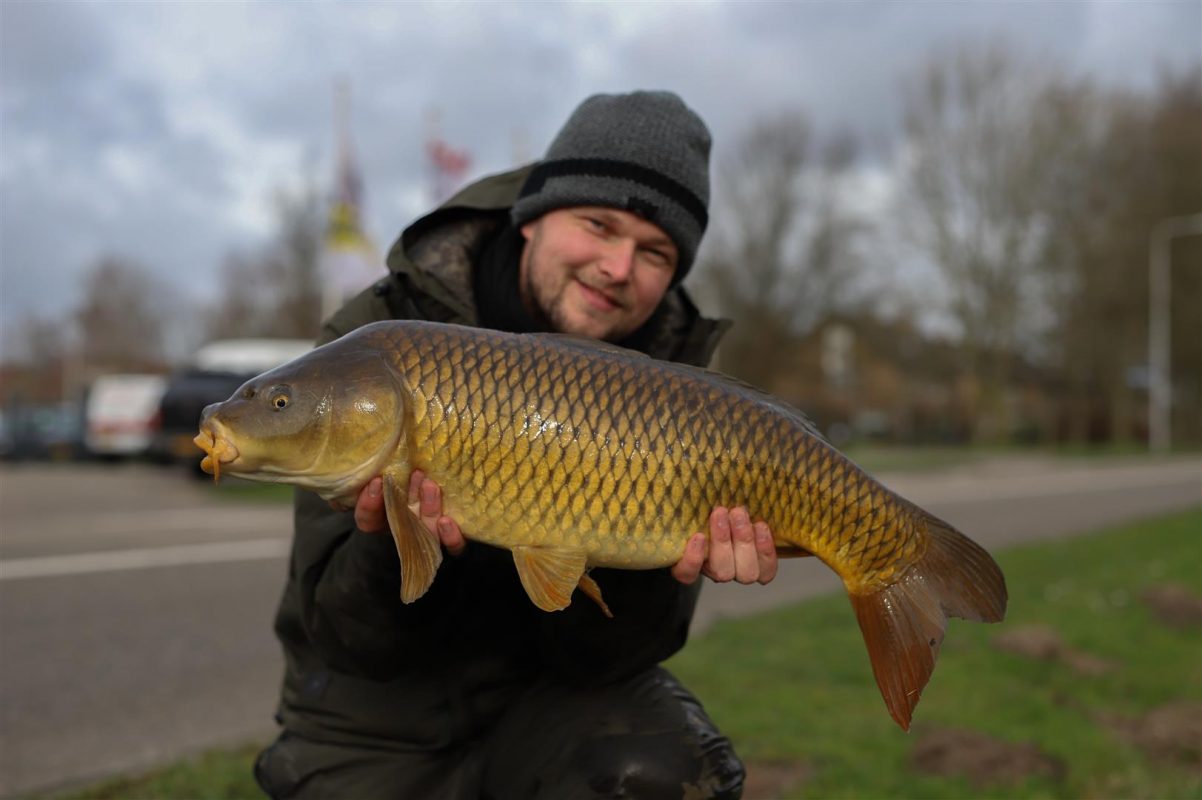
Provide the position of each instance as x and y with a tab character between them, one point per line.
425	499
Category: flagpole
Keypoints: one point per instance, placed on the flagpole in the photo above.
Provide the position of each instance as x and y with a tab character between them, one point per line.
331	294
350	262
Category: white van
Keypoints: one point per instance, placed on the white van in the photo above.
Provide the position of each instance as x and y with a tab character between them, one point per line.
121	414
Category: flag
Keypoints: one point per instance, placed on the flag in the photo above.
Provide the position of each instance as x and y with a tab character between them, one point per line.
350	262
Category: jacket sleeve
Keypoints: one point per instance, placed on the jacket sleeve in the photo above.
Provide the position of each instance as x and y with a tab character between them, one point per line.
652	613
348	582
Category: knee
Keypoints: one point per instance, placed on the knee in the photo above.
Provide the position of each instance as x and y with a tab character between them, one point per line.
646	768
275	769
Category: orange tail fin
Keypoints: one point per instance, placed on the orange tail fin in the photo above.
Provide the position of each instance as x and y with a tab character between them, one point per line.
903	623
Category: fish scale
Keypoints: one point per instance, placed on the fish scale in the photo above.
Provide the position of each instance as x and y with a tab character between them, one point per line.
685	441
572	454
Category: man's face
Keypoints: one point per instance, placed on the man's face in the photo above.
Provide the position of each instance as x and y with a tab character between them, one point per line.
595	271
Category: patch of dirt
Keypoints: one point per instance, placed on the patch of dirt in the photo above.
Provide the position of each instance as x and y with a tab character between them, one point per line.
1174	605
1032	641
1042	643
769	780
1168	734
983	759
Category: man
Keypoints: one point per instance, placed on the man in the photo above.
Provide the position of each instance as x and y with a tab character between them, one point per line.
472	691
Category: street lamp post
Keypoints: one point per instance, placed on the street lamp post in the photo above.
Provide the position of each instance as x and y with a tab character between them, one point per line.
1160	382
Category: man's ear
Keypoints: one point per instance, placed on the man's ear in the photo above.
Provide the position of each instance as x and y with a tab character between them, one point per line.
527	229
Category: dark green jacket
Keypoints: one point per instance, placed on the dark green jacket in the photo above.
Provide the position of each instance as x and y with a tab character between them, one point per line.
362	666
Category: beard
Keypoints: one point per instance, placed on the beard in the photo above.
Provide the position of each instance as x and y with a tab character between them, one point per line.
546	300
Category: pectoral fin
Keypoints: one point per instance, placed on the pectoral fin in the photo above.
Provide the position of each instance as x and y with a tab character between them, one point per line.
419	549
550	574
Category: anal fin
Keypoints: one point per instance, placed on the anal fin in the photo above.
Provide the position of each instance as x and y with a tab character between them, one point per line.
419	550
551	574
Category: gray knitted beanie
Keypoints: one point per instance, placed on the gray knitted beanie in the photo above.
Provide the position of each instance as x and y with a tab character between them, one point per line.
645	152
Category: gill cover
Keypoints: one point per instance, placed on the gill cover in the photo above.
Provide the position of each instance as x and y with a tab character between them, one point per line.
326	421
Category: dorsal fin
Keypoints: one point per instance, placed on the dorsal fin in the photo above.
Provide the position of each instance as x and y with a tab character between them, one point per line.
756	392
597	346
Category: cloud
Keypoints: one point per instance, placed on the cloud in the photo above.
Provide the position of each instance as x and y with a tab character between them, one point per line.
162	131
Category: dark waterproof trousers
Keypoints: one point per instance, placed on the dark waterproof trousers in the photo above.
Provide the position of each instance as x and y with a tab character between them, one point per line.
647	737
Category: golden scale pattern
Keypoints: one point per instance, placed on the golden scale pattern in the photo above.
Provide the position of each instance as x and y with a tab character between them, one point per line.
626	456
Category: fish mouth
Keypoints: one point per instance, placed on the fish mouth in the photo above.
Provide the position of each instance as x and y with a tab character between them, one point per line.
218	450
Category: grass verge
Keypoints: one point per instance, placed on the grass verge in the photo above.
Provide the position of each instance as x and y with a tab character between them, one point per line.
795	686
794	691
216	775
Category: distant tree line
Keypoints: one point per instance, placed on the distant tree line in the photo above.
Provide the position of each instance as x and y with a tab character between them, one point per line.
128	316
1032	193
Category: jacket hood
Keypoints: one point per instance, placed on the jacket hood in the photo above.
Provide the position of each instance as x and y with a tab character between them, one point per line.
435	255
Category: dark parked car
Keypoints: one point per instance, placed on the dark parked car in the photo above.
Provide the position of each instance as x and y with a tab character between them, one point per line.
47	432
216	371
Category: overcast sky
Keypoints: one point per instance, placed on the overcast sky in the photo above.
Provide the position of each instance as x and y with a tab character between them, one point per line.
159	131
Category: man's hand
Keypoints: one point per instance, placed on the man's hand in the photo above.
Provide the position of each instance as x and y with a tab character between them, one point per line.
738	550
425	499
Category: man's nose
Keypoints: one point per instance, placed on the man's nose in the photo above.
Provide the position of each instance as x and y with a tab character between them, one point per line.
618	262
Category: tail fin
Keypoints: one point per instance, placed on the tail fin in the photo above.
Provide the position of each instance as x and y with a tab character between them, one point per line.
903	623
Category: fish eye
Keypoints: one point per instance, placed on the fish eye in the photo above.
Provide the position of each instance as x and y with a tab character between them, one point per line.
280	399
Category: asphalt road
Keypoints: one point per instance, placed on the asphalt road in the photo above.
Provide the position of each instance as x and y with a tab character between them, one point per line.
135	606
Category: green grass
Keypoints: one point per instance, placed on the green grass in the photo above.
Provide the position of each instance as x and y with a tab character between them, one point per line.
217	775
794	685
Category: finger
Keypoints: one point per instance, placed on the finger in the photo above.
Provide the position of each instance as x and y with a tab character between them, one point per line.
688	569
369	508
431	506
451	536
415	481
747	564
721	562
765	551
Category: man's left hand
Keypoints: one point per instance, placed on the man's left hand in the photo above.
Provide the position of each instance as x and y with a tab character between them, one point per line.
739	550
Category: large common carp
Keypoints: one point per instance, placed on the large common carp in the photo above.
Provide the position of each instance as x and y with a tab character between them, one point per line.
573	454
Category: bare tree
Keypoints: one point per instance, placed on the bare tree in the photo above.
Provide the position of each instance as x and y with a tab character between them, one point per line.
1136	159
37	339
293	265
974	202
782	252
122	317
277	291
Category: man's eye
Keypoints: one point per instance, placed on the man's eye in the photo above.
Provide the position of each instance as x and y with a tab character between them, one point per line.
657	257
594	223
